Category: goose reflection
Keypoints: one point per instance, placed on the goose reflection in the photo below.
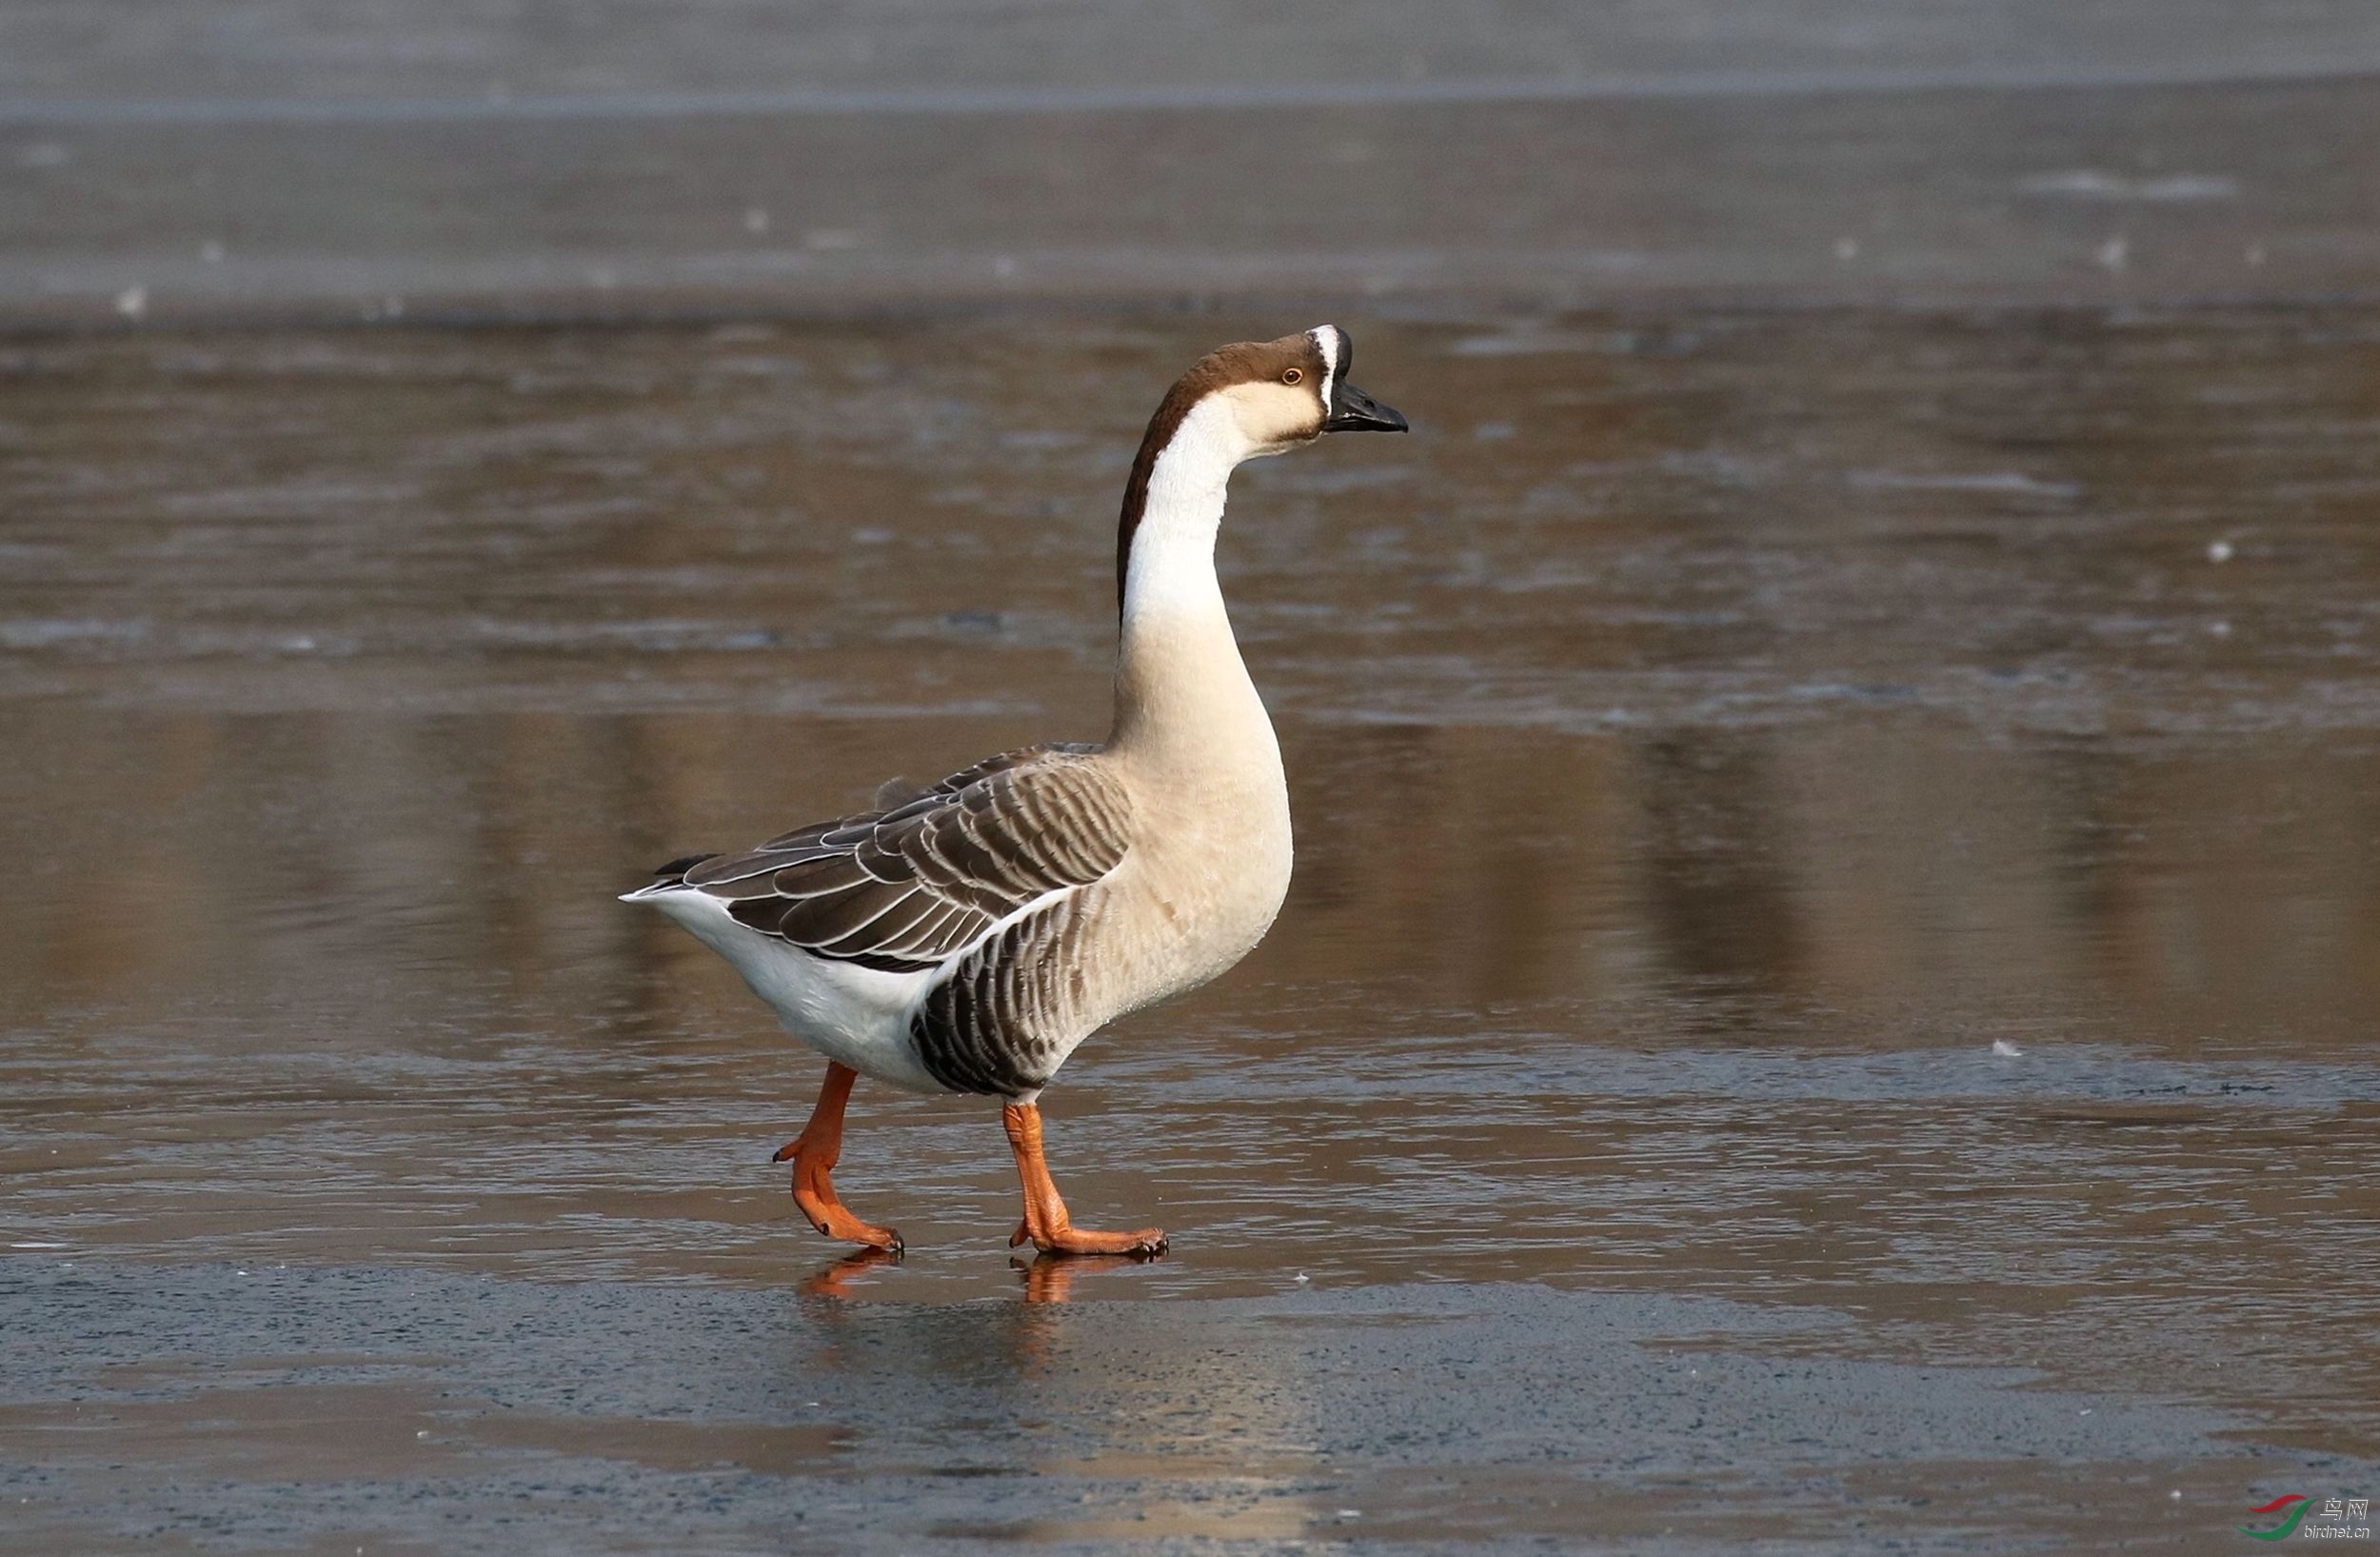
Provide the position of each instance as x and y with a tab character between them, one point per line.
839	1279
1052	1280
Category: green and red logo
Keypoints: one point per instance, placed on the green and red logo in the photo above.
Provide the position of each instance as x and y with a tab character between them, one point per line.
2295	1502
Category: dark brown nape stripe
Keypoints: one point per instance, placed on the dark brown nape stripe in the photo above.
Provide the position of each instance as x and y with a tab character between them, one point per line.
1163	426
1245	362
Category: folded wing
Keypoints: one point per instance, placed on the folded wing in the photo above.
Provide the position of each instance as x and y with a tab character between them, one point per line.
911	888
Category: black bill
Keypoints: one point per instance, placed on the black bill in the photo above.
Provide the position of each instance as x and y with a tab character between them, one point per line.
1352	410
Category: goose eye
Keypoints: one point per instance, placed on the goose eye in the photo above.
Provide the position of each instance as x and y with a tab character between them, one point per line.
1293	375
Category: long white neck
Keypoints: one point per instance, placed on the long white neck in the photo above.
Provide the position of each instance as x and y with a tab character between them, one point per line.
1171	571
1179	682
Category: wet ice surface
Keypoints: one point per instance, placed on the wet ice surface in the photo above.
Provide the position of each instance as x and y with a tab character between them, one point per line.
1842	841
736	1419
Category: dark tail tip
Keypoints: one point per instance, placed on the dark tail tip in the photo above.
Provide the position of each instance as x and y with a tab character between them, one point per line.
674	872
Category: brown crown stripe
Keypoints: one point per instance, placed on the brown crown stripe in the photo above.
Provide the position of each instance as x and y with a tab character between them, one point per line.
1244	362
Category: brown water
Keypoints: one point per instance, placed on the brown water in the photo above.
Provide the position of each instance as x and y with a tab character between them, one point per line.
1862	815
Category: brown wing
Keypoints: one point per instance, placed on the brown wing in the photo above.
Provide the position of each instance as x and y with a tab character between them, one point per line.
911	888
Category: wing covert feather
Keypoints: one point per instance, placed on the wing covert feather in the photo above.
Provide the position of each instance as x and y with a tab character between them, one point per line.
911	888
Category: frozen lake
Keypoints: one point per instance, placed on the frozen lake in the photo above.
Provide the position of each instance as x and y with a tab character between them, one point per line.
1826	1005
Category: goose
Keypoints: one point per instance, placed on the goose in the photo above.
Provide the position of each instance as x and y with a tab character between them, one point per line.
966	936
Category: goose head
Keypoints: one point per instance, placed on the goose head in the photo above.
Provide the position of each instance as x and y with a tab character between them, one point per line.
1282	394
1238	402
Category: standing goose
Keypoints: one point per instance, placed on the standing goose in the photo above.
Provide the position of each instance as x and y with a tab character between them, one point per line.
966	938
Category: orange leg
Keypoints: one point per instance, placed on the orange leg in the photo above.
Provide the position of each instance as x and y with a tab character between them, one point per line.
1045	1221
814	1154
